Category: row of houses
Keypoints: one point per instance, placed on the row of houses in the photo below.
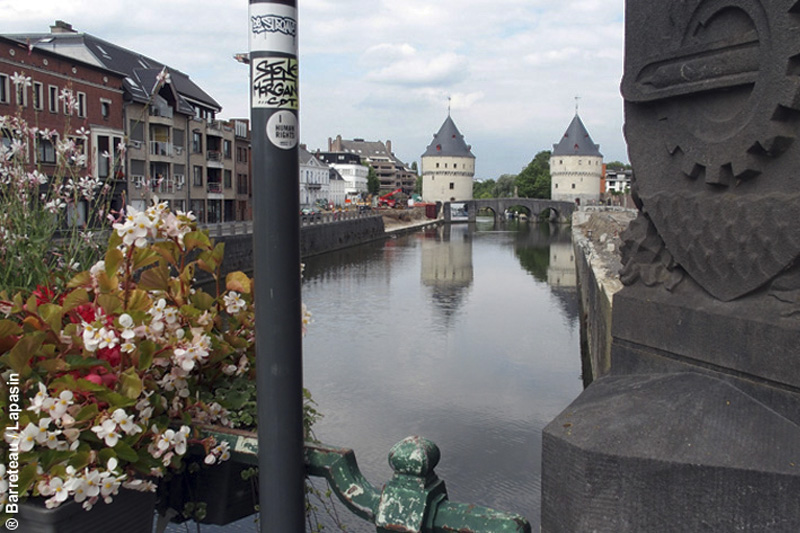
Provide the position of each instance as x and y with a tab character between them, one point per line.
147	129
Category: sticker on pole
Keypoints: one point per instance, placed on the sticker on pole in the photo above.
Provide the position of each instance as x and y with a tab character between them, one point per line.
275	83
273	28
282	129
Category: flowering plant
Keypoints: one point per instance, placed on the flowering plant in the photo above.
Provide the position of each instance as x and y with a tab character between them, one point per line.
104	382
50	200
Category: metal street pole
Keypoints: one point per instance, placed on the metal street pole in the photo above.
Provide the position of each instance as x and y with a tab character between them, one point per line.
274	106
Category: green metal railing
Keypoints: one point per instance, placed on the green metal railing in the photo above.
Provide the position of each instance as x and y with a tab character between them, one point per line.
413	501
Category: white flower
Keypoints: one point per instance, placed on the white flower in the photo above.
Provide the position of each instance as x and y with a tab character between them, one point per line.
233	302
27	438
20	80
108	432
125	422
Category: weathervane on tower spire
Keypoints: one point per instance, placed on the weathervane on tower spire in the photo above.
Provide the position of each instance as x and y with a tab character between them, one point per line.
448	105
576	104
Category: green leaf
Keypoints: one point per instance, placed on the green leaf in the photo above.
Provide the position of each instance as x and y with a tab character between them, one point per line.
88	386
130	383
144	257
87	413
146	351
52	314
80	460
114	240
155	279
75	298
196	239
114	399
31	305
167	250
202	300
113	259
219	253
76	361
26	477
125	452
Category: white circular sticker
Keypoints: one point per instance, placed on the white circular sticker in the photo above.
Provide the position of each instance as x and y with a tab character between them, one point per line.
282	129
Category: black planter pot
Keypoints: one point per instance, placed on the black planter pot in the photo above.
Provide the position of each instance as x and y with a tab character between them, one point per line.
227	496
130	512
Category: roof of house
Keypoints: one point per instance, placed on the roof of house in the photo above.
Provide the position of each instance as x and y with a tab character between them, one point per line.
577	141
371	150
140	71
448	142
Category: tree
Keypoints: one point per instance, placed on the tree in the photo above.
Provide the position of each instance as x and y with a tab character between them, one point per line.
504	188
483	189
418	187
373	183
617	165
534	180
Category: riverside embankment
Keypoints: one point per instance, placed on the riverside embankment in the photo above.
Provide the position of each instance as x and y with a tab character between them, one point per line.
596	239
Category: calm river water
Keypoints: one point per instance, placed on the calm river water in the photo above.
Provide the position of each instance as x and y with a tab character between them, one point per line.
466	334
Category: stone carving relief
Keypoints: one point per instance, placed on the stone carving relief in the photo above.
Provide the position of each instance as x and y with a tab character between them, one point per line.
712	107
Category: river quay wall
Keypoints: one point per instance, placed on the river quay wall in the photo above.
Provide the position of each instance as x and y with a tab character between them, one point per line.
319	234
596	240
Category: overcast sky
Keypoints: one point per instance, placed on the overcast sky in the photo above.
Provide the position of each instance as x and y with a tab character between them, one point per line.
379	69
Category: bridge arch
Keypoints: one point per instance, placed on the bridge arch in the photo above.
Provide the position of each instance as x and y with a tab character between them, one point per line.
562	210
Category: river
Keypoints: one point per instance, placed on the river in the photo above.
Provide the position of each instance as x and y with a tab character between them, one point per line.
465	334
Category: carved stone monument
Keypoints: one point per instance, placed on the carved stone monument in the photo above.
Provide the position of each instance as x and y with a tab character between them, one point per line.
697	427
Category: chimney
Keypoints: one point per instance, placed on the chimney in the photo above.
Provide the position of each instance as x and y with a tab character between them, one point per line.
389	146
62	27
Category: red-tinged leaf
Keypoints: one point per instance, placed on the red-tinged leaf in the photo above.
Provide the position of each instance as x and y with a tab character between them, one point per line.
22	352
110	303
167	250
238	281
8	327
219	252
155	279
82	279
138	300
75	298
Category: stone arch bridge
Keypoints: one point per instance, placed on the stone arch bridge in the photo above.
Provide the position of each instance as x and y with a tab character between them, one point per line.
560	212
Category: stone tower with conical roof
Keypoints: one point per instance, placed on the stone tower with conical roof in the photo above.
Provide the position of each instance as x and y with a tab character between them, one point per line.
576	166
448	166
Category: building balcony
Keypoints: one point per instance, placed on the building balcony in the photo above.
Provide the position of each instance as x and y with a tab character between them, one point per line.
214	187
161	148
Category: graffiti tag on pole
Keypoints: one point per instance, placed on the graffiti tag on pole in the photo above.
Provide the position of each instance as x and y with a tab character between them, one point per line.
275	83
273	28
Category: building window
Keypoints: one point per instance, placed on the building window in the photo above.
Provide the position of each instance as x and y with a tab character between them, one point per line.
437	165
226	149
45	152
105	108
197	176
38	92
573	185
452	185
82	105
197	142
4	98
228	180
22	95
52	98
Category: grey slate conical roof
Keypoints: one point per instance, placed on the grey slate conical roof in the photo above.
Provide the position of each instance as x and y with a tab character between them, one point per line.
448	142
577	141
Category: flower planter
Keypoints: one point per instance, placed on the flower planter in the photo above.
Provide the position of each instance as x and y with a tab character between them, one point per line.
130	512
227	496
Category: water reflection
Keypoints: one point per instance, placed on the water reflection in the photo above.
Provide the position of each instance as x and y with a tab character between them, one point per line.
447	266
